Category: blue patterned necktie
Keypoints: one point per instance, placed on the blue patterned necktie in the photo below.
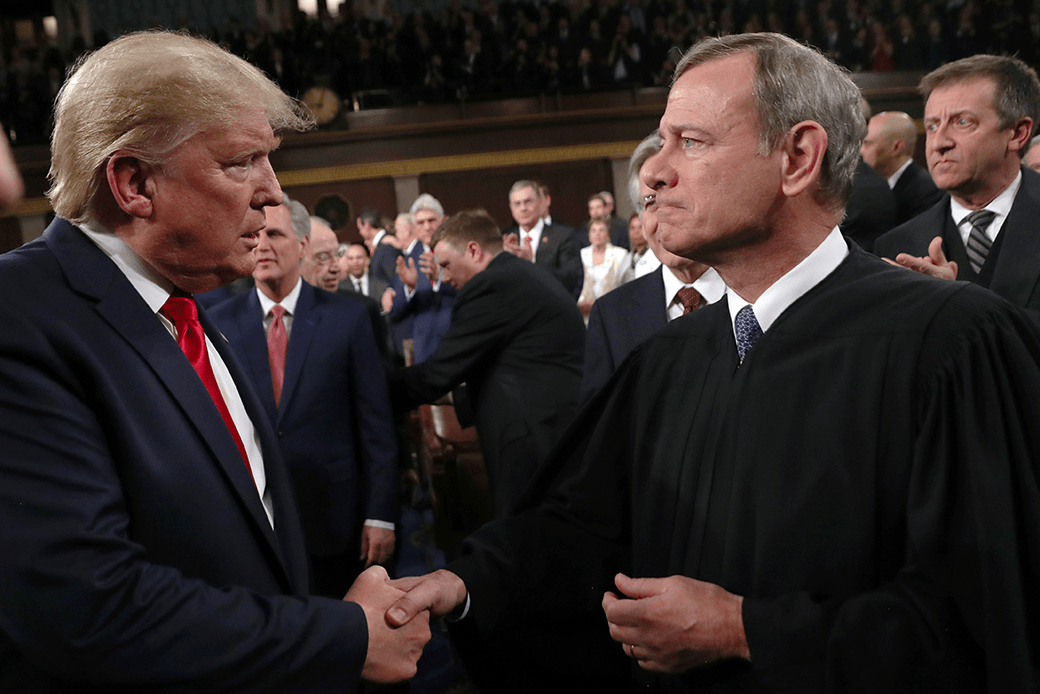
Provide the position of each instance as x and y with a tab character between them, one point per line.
747	330
978	243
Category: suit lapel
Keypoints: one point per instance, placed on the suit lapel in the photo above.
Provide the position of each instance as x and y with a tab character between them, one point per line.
252	345
546	245
91	273
1016	271
304	325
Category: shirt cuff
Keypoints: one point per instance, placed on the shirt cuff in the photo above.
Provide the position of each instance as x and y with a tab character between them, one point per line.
378	524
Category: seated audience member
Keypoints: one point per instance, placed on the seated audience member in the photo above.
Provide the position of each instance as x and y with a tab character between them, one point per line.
1032	157
640	260
150	536
623	319
978	115
419	293
516	340
315	364
889	149
603	263
826	482
552	246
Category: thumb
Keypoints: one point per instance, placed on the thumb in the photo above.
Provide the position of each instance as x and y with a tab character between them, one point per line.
638	587
935	251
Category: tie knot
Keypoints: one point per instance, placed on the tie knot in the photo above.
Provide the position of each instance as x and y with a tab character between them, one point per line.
981	218
747	330
690	299
181	308
278	311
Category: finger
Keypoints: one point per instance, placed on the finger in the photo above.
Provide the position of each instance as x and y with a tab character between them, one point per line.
418	600
891	262
639	587
935	251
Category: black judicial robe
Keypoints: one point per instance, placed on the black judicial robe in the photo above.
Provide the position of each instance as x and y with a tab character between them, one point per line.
867	479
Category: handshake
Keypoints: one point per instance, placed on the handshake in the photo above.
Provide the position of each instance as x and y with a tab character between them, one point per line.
398	613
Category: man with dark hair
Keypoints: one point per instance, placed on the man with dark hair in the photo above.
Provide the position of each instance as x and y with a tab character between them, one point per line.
382	268
824	483
516	340
979	113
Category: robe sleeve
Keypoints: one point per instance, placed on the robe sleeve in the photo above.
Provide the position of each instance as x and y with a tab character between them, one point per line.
963	613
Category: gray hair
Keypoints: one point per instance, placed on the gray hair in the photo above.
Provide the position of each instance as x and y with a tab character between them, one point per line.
301	218
147	93
650	146
520	185
795	83
1017	93
427	202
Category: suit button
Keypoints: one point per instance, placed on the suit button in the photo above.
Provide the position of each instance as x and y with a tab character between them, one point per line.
280	433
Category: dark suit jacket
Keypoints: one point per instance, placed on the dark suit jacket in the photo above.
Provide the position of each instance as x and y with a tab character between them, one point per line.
380	324
915	192
333	422
382	268
619	322
871	209
428	313
516	339
136	552
559	253
1012	269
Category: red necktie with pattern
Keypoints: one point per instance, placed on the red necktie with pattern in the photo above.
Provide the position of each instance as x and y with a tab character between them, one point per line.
192	340
690	299
277	342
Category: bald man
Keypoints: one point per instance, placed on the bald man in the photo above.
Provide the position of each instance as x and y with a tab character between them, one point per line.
889	149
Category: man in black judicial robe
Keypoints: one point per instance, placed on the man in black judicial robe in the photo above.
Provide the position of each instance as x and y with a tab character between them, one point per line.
851	504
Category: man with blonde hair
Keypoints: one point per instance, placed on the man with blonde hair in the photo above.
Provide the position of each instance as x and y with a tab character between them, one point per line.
150	540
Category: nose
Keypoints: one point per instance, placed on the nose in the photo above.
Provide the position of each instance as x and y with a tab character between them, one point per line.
657	173
938	139
268	190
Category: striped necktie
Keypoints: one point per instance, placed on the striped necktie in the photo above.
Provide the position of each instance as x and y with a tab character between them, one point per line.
978	243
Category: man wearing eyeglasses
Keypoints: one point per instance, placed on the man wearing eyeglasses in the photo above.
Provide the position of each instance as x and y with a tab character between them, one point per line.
314	363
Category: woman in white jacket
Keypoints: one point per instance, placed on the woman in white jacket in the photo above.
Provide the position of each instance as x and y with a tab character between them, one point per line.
604	265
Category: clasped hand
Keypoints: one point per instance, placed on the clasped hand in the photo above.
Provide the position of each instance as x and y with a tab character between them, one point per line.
393	650
675	624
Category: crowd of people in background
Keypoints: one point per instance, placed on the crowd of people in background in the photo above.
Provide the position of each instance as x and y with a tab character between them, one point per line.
490	49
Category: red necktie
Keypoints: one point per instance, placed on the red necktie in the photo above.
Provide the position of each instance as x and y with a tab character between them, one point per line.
192	340
277	341
690	299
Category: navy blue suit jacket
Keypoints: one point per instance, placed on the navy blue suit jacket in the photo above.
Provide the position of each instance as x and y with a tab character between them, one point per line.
428	311
333	421
136	552
619	322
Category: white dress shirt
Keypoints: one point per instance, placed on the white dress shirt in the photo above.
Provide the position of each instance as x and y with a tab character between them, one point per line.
535	234
1001	205
799	280
155	290
709	285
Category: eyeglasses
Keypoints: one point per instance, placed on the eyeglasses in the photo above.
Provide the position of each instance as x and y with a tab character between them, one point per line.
324	258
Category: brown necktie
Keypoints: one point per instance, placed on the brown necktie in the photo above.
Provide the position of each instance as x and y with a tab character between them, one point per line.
690	299
184	314
277	342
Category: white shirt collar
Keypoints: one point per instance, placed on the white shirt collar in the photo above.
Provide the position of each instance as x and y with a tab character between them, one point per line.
377	238
798	280
1001	205
153	287
288	303
411	247
894	178
709	285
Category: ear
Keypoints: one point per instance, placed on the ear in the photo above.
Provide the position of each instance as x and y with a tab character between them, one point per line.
802	157
1020	134
474	250
132	183
304	242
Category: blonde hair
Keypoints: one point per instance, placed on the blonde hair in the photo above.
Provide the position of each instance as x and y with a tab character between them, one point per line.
147	93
